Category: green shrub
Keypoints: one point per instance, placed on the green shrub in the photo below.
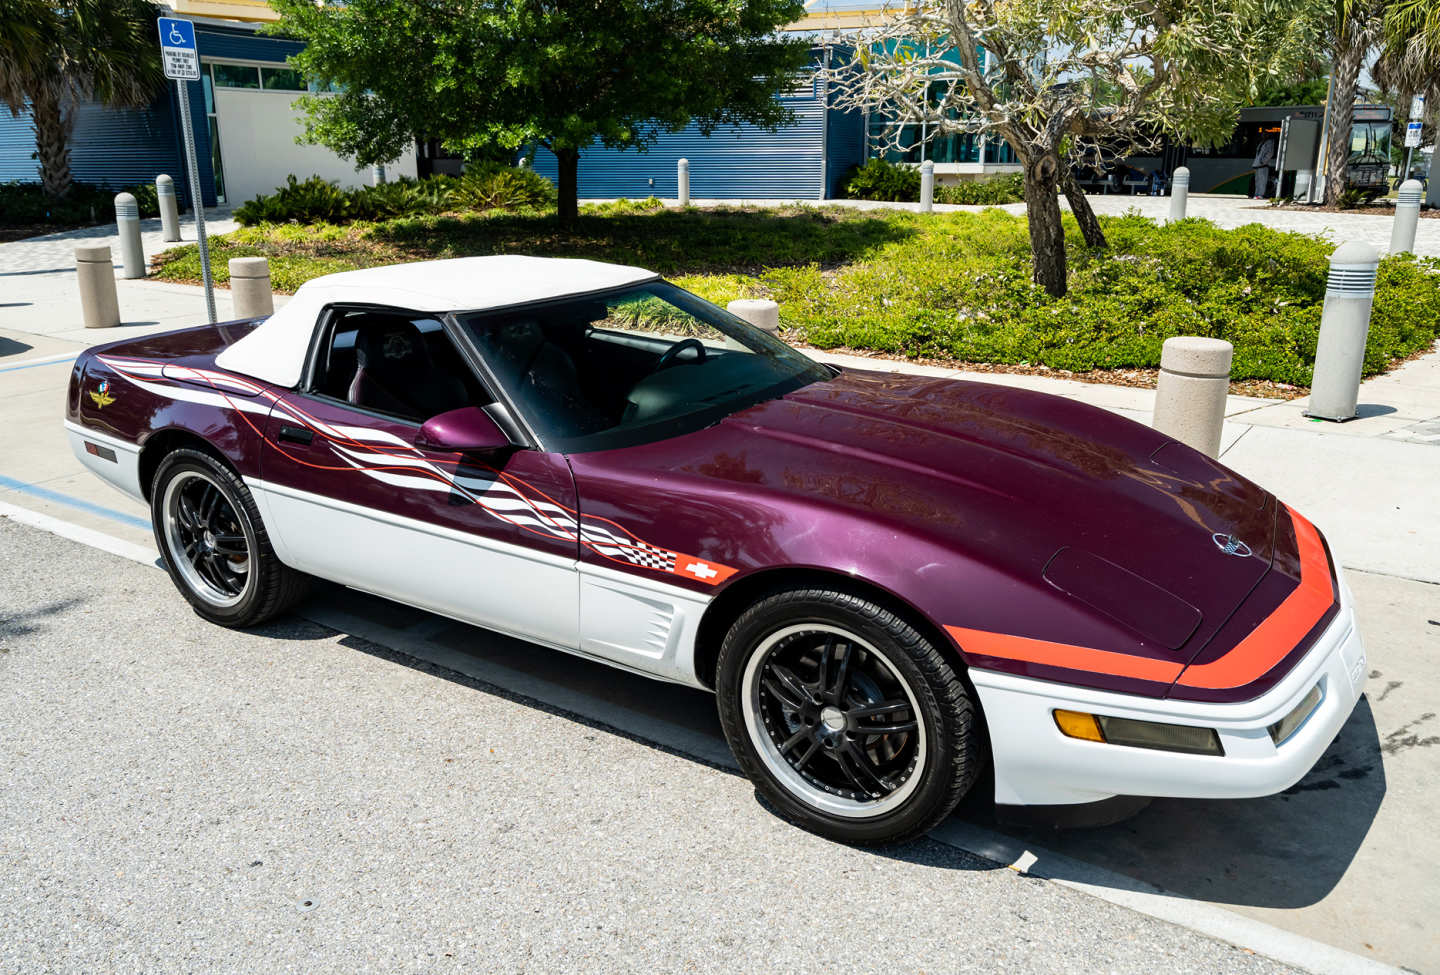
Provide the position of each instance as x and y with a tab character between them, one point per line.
613	208
1006	188
488	186
491	186
310	201
26	203
880	179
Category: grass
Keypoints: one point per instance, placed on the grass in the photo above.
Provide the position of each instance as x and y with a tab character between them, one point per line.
952	286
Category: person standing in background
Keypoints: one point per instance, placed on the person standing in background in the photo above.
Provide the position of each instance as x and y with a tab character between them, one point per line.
1264	159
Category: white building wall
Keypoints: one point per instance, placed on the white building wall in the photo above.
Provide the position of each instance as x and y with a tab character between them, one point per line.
258	148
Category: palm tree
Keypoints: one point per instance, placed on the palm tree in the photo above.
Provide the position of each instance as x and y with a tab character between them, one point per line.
1357	24
56	53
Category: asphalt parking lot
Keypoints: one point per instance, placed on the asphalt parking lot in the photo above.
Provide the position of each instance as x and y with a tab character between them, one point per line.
300	799
1347	857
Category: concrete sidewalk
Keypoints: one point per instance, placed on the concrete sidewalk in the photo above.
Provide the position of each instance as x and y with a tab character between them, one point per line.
39	295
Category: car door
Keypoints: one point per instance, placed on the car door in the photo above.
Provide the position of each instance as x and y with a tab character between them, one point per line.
349	497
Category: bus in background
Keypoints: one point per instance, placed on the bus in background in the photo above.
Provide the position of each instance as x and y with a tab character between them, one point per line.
1296	131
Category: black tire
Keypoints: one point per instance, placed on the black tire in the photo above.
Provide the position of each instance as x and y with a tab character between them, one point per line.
905	676
263	586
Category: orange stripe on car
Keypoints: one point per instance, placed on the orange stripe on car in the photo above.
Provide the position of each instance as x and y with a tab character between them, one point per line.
1249	660
1280	632
1065	655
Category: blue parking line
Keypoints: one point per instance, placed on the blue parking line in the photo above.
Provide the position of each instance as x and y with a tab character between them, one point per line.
36	365
45	494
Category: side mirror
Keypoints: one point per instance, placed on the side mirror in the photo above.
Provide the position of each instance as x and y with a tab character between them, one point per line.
466	430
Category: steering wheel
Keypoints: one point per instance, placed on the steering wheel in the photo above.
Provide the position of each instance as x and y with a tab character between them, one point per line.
672	354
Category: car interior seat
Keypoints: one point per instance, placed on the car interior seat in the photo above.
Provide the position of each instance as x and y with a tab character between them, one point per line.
395	373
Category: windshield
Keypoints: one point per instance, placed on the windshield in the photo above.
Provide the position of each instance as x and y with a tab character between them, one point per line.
1370	142
631	366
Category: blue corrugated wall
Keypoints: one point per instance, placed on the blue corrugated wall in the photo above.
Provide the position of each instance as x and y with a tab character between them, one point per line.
734	162
119	148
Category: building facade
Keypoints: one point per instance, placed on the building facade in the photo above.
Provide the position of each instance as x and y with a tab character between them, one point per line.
245	125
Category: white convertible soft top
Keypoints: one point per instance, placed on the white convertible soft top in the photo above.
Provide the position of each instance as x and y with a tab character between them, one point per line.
275	351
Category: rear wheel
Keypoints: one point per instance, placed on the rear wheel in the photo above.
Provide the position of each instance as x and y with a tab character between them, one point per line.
215	547
846	718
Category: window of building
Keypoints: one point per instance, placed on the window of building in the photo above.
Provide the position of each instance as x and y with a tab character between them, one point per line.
212	124
282	79
236	75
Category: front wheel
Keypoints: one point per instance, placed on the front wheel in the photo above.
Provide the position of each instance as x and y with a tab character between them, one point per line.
215	546
845	717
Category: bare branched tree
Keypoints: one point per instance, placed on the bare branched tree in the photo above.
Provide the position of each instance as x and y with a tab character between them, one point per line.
1062	81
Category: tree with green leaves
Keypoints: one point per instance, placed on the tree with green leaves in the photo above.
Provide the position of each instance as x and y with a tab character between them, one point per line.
486	74
55	54
1060	80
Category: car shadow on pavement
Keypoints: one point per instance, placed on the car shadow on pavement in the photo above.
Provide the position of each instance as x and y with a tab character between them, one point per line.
1287	850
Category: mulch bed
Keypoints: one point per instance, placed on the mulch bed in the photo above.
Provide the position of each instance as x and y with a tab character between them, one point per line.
24	230
1369	209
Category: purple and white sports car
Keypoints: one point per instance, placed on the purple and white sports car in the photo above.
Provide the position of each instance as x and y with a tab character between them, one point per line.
888	581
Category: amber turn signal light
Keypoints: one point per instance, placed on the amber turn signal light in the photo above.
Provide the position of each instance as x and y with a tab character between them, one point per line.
1078	724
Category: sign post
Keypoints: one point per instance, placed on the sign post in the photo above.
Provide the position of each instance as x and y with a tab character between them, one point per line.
1412	132
182	64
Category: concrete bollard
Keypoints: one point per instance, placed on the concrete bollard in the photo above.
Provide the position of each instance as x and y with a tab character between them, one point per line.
927	186
169	208
1344	328
1179	192
1190	397
250	287
94	272
764	315
1407	217
682	182
127	222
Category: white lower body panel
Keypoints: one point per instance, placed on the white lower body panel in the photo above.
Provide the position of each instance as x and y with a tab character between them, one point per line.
1036	765
637	624
114	461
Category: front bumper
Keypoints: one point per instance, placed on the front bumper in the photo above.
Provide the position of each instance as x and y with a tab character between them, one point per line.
1036	765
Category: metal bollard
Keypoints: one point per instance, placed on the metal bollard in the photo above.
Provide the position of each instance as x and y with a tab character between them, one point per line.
127	222
250	287
927	186
1190	396
94	272
169	208
682	182
1179	192
1344	327
1407	217
764	315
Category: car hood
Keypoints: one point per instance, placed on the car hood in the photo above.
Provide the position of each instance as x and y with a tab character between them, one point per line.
1115	515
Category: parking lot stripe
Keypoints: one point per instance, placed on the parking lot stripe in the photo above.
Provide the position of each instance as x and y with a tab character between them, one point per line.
48	360
45	494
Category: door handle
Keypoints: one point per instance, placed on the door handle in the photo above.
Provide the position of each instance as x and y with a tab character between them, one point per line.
296	434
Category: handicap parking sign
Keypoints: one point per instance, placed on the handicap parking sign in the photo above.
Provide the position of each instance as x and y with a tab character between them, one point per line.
177	49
